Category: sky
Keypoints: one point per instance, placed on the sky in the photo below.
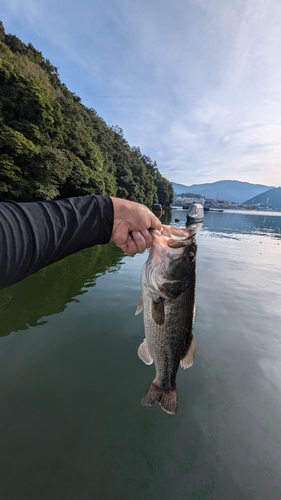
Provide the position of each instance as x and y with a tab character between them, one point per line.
196	84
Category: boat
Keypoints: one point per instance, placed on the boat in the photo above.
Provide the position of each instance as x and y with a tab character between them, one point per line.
216	209
195	213
156	207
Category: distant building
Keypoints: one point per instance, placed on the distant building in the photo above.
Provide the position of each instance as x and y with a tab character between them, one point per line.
183	200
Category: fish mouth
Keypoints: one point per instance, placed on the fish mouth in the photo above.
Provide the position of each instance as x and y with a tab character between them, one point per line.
171	237
173	232
169	245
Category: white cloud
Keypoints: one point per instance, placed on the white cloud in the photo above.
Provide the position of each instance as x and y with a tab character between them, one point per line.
196	84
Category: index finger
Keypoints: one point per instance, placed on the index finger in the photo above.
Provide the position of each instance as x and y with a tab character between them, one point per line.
155	223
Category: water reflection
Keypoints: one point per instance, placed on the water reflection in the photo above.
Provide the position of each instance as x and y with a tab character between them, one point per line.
72	425
234	223
244	223
51	289
196	226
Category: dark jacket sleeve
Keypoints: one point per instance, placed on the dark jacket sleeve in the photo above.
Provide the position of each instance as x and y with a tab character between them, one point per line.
33	235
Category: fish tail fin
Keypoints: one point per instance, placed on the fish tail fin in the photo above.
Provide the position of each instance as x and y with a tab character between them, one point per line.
168	400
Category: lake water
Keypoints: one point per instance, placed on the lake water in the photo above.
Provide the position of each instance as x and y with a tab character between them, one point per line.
72	426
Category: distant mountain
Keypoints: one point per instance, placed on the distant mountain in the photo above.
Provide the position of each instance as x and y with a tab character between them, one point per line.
224	190
272	197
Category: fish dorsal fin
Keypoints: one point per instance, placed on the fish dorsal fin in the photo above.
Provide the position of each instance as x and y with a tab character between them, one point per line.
158	311
144	354
140	307
187	361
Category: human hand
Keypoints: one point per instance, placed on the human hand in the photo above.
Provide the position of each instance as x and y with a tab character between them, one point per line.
130	226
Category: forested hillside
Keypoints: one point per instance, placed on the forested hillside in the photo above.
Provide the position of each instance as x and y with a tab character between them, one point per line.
53	146
271	198
226	190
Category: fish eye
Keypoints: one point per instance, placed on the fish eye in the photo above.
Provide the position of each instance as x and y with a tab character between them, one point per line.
190	256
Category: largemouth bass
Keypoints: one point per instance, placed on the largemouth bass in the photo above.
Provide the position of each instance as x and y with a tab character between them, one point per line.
168	303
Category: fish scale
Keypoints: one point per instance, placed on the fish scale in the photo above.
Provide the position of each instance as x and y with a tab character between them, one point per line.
168	302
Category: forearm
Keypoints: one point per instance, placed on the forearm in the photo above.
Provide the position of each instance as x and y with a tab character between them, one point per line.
33	235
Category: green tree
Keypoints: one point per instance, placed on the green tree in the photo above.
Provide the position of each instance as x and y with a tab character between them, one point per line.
51	145
165	192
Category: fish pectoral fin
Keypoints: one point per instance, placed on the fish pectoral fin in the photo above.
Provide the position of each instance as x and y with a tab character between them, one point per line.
144	354
140	307
158	311
172	289
188	360
168	400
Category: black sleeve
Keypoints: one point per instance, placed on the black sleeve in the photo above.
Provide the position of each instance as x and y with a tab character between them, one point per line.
33	235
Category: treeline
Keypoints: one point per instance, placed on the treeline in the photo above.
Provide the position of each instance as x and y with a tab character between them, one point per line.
189	195
52	146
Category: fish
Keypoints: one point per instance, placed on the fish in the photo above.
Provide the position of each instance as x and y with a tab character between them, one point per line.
168	279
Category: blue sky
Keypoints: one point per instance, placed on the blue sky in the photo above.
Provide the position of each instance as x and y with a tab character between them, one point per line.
196	84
